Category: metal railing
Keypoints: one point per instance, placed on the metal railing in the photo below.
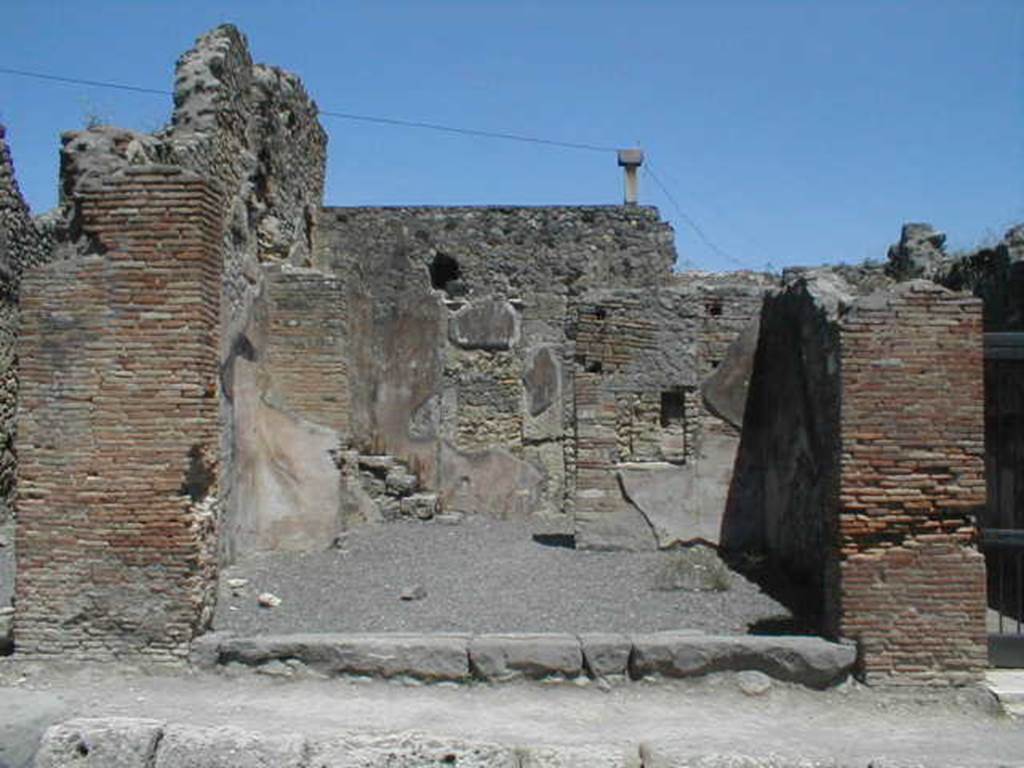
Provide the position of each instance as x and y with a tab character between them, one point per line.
1004	561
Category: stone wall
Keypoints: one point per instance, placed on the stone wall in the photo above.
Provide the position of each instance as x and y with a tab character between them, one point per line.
118	438
22	244
861	470
506	252
635	378
654	462
468	326
996	276
457	329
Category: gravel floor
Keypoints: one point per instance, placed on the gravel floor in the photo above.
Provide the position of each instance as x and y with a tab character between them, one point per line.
479	576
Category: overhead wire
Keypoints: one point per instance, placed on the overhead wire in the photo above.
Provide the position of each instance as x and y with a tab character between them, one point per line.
331	113
697	229
420	124
80	81
468	131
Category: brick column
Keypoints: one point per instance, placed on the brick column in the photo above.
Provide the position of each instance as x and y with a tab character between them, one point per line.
912	482
118	425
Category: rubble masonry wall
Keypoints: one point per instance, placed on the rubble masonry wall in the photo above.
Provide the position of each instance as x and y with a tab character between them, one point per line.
22	244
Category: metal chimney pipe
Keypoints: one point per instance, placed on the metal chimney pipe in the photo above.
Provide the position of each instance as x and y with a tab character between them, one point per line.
629	161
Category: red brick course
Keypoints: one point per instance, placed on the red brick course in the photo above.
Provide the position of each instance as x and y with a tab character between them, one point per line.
912	483
305	365
118	428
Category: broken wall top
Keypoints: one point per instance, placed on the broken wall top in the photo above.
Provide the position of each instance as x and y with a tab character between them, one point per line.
506	251
251	129
23	241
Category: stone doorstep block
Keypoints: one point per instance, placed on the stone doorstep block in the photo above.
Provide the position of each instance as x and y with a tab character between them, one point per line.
606	653
810	661
88	743
425	657
500	657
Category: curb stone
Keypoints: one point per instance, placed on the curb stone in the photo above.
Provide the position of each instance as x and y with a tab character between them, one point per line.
606	654
425	657
809	661
501	657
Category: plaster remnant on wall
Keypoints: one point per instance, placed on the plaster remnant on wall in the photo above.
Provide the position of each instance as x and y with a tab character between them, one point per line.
484	324
542	380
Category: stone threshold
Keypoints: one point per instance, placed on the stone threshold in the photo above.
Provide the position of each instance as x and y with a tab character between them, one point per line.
808	661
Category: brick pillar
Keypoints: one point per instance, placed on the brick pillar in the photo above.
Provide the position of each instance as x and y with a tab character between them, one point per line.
912	481
118	426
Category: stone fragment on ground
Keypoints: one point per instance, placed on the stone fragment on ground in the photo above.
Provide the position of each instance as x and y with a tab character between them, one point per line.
401	483
420	505
753	683
417	592
268	600
237	586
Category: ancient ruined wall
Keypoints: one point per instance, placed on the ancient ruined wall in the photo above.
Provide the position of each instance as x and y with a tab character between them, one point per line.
635	372
729	306
996	276
913	584
289	393
509	252
458	333
253	131
22	244
304	368
118	437
861	471
782	502
653	464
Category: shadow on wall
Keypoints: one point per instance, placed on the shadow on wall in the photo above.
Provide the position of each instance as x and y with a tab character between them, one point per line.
782	499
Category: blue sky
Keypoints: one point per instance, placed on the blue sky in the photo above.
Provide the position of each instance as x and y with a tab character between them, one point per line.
790	132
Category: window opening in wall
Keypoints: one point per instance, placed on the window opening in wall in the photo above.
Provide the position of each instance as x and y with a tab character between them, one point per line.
673	408
445	274
714	307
